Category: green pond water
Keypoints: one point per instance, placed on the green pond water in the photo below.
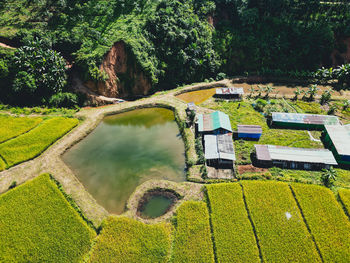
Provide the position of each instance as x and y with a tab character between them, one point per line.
126	150
156	206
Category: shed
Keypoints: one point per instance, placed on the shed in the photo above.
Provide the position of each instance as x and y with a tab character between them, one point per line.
249	131
214	123
191	107
229	93
303	121
219	150
294	158
337	139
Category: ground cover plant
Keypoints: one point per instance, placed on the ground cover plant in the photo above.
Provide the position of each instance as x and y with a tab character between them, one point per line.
279	226
344	196
34	142
192	241
327	221
13	126
124	239
308	107
244	113
233	233
37	224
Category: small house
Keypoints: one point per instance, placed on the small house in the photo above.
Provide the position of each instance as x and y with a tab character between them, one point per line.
219	150
294	158
303	121
231	93
214	123
337	139
249	132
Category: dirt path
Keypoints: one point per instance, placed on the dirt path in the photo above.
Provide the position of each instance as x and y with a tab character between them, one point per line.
6	46
50	161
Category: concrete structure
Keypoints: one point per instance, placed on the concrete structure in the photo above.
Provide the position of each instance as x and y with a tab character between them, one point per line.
303	121
219	150
249	131
213	123
294	158
229	93
337	139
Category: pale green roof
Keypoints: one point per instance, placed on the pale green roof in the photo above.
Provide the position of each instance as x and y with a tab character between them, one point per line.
213	121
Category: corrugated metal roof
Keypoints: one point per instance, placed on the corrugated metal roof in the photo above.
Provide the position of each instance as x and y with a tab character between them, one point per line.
255	129
262	152
213	121
340	136
219	147
191	106
304	155
229	91
305	118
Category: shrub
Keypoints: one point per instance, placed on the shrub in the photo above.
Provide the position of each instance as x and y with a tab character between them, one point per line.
199	150
221	76
326	220
124	239
231	225
63	100
192	241
278	223
326	96
328	177
39	225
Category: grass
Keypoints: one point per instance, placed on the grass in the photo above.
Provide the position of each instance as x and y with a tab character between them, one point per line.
244	113
282	234
13	126
193	238
34	142
327	221
198	96
308	107
233	233
124	239
37	224
344	196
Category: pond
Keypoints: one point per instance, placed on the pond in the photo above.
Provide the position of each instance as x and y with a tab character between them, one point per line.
156	206
126	150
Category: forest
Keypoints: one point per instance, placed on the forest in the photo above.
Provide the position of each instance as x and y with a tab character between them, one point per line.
173	42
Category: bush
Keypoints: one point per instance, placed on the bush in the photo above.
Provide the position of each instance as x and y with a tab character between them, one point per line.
63	100
221	76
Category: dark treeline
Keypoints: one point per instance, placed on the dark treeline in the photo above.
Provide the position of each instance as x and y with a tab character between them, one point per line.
173	41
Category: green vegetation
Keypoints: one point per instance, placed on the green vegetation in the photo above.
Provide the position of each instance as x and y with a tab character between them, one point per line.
279	225
12	126
37	224
34	142
326	220
193	238
344	195
244	113
126	240
308	107
233	233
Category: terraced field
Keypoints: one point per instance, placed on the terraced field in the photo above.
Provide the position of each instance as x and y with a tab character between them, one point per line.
24	138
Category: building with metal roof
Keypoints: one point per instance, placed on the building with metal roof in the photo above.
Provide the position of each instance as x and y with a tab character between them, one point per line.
303	121
294	158
219	150
249	131
191	106
214	123
229	93
337	139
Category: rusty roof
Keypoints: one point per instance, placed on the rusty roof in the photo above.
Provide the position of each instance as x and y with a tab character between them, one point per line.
255	129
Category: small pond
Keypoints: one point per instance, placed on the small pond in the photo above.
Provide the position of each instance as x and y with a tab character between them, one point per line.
126	150
156	206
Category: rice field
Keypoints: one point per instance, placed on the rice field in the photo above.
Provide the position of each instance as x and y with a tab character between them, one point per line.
198	96
280	229
37	224
327	221
233	233
192	240
32	143
344	195
126	240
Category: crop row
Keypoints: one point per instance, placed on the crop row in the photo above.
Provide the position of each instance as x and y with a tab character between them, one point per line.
37	224
344	195
327	222
193	238
124	239
279	226
14	126
34	142
233	233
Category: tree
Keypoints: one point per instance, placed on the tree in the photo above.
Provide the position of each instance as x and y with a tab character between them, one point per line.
41	72
269	89
326	96
329	176
297	92
312	91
